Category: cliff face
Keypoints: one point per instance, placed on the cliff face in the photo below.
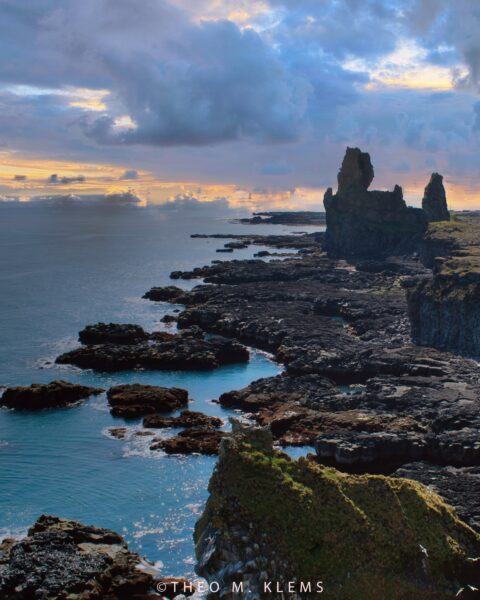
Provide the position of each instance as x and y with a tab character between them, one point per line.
444	310
273	519
362	223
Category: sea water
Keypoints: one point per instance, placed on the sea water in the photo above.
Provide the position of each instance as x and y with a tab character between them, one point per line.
61	268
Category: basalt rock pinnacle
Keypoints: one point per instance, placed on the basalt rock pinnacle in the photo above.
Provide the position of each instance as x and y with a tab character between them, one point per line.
434	201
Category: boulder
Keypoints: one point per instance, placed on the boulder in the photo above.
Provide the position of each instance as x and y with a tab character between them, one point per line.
112	333
434	201
135	400
37	396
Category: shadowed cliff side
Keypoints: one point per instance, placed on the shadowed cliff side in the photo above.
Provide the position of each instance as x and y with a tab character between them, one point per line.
273	519
362	223
444	309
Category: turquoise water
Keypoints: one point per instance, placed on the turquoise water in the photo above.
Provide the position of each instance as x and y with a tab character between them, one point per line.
60	269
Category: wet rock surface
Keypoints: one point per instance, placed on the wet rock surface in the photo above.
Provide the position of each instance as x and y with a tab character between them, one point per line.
62	559
112	333
188	350
56	394
135	400
194	440
187	418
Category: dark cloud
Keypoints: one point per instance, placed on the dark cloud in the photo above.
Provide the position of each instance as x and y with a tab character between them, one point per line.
56	179
130	174
19	178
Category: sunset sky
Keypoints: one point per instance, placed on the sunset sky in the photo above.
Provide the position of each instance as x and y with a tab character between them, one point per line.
252	101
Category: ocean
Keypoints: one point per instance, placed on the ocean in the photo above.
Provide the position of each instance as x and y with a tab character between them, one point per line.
61	268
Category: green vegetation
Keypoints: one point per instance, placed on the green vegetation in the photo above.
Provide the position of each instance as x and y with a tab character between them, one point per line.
364	536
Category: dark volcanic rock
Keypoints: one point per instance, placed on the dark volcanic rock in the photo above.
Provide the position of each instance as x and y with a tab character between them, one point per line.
64	559
135	400
46	395
193	440
187	418
364	224
169	293
434	201
164	351
112	333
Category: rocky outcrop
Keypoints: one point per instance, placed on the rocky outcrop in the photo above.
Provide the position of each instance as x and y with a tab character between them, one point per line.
38	396
286	218
361	223
135	400
187	418
434	201
62	559
163	351
112	333
199	440
272	521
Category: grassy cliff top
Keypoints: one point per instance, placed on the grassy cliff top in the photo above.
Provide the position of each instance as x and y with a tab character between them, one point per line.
457	244
364	536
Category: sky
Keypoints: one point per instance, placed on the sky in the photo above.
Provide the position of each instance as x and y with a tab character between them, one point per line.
252	101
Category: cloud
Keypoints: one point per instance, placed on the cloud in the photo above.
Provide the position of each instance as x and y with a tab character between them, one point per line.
130	174
114	199
56	179
19	178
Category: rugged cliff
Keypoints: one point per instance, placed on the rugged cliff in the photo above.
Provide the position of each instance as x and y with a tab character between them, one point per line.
444	309
273	521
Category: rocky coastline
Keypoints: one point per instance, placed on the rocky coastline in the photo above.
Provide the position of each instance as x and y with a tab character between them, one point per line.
374	322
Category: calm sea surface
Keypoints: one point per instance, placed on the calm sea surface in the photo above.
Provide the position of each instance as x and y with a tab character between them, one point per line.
62	267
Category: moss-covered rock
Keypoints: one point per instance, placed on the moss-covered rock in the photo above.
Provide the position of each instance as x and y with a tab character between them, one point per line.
271	518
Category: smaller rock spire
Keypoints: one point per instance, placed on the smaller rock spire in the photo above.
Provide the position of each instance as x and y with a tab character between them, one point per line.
434	201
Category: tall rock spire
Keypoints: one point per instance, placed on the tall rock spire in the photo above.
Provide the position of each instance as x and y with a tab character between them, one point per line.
434	201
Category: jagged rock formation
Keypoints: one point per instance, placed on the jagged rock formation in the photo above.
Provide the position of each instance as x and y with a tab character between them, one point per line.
434	201
273	519
62	559
365	224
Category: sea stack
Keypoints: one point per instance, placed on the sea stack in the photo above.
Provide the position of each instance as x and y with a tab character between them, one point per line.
368	224
434	201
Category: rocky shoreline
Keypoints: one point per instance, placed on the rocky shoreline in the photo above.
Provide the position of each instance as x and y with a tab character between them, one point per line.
379	407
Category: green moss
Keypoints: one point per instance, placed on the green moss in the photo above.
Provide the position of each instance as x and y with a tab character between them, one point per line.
353	532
